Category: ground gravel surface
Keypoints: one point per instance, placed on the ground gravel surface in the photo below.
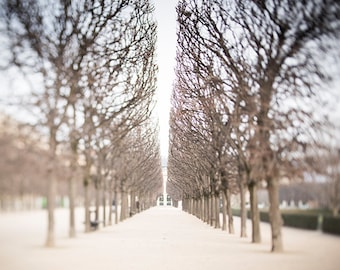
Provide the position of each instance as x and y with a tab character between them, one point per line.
159	238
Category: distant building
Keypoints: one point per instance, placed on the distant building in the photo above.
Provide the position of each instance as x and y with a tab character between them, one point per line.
164	199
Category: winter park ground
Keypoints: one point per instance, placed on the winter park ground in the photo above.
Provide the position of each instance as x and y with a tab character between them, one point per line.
159	238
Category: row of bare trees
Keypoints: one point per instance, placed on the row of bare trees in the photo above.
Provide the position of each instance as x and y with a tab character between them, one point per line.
23	161
92	72
251	79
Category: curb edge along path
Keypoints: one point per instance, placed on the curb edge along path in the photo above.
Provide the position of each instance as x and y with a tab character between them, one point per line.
167	238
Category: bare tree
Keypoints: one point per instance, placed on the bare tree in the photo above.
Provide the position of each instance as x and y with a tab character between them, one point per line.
286	65
261	61
76	49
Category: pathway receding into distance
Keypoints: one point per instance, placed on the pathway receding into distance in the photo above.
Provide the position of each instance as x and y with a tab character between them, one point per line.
159	238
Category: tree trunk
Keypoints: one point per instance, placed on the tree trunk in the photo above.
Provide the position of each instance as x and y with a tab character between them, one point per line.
123	207
204	208
50	241
87	203
116	204
51	190
243	210
196	212
229	212
201	207
212	210
217	211
224	212
147	200
190	205
72	180
275	215
133	203
335	211
197	208
124	204
97	190
104	202
183	204
207	209
255	215
72	232
110	202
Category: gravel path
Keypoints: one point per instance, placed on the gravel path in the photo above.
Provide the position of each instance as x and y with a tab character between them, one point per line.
160	238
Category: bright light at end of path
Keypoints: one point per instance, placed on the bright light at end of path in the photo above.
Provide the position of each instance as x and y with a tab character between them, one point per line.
165	15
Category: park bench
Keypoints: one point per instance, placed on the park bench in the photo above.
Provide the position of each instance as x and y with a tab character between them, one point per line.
94	224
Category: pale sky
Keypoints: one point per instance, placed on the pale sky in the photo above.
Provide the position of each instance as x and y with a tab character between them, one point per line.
165	15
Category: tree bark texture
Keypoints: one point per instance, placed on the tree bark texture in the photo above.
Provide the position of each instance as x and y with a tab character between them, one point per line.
72	229
213	210
110	203
124	204
51	190
97	197
116	204
133	203
224	212
255	215
104	202
50	241
229	212
217	211
87	203
243	210
275	215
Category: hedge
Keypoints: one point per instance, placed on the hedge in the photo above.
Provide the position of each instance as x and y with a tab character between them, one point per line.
309	222
297	220
331	225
